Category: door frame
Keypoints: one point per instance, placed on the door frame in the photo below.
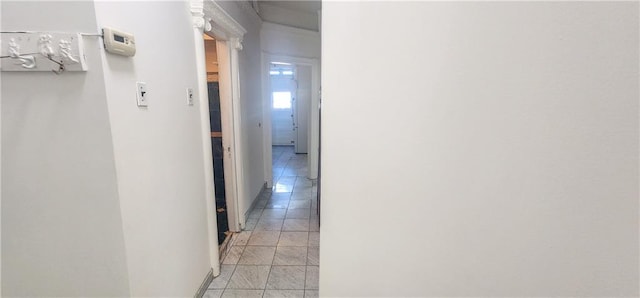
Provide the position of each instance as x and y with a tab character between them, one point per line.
297	102
313	130
211	19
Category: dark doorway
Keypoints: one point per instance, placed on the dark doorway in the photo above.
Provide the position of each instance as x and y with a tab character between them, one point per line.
218	164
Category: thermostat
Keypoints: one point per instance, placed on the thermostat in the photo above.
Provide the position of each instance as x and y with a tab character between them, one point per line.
118	42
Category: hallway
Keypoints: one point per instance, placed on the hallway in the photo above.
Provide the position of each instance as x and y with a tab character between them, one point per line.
277	255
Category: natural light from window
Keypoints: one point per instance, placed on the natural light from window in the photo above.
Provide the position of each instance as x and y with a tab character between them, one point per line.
282	100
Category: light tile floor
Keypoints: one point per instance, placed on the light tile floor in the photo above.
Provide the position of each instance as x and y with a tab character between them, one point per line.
278	253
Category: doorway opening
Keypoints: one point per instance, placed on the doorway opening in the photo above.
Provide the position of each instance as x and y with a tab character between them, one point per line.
283	95
217	149
291	122
291	87
219	115
290	105
215	29
221	108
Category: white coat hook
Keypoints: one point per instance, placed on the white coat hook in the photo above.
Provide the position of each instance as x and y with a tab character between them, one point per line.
44	43
65	51
42	51
27	61
14	48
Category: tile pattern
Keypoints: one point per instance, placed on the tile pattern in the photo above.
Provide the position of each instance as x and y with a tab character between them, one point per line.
291	255
249	277
257	255
286	277
278	253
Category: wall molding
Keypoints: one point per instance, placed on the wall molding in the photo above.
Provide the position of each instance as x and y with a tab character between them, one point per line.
223	25
210	18
229	34
200	23
205	284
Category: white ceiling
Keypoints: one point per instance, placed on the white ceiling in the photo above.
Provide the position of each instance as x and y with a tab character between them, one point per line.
299	14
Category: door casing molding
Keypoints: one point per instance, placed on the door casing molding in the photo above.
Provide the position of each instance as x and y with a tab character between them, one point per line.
211	19
314	126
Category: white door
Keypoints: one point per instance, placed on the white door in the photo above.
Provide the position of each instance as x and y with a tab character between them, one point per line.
302	105
283	91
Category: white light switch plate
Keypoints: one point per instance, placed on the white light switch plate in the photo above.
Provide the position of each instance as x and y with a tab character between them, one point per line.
141	94
189	96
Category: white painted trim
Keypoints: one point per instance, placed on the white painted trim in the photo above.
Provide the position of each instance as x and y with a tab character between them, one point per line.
296	112
314	126
227	118
205	285
237	132
224	26
199	25
210	16
266	120
229	32
226	114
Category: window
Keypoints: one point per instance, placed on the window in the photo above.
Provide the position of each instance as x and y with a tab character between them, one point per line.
281	71
282	100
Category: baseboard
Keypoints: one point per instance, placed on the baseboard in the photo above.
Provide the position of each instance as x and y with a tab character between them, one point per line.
255	201
223	249
204	285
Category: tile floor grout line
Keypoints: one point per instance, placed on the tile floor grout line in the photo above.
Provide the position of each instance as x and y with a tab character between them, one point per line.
292	164
271	266
226	285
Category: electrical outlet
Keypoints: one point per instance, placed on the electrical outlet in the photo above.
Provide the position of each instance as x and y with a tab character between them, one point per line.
141	94
189	96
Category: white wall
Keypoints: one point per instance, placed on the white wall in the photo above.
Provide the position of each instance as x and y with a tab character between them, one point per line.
158	149
284	40
0	169
288	17
250	102
100	197
61	225
497	157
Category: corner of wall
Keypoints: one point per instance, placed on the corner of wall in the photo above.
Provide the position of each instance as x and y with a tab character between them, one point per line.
61	226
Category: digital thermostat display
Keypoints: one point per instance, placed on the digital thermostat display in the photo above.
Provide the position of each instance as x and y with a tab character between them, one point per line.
118	38
119	42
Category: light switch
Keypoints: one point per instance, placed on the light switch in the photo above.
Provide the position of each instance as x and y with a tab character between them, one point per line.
142	94
189	96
